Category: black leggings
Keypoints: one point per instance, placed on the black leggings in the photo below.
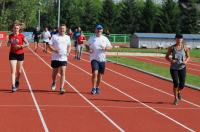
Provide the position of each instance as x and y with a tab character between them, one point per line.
178	77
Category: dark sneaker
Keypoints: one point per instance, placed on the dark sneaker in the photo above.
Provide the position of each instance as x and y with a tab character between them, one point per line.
14	89
16	83
93	91
98	90
53	86
62	91
179	96
176	101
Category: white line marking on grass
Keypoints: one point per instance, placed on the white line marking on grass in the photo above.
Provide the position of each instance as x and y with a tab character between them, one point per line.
35	102
163	63
95	107
190	62
151	108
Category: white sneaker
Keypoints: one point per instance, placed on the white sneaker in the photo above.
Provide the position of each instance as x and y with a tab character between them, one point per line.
62	91
53	86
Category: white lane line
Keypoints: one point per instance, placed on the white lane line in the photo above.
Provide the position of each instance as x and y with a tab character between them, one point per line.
190	63
94	106
134	99
35	102
158	112
157	89
144	84
163	63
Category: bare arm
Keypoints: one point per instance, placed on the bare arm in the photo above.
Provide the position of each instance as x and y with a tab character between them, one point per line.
69	49
87	48
22	46
187	51
26	43
169	52
15	47
53	49
108	48
8	43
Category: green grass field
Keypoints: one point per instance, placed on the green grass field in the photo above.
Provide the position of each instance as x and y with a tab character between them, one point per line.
191	79
193	52
197	60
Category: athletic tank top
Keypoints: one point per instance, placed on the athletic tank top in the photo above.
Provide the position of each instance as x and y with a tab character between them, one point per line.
179	56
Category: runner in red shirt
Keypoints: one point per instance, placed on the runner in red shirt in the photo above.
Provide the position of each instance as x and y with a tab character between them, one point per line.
16	55
70	33
80	43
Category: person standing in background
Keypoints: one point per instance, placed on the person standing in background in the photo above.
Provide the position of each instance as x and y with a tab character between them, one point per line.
46	37
75	36
36	36
70	33
80	40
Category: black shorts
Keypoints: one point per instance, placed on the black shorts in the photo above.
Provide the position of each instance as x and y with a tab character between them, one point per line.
46	42
96	65
18	57
36	40
56	64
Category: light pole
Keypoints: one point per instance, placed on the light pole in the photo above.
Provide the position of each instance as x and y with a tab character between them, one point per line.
58	13
39	5
39	18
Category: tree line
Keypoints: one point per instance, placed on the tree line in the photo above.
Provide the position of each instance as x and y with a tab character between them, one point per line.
127	16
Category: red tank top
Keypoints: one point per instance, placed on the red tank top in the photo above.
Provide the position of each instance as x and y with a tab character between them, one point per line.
16	40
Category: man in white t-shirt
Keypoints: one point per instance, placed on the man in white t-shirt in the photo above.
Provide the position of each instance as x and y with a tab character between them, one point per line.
46	35
60	45
97	45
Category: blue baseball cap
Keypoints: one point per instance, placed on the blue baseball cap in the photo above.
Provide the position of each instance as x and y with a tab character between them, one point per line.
99	26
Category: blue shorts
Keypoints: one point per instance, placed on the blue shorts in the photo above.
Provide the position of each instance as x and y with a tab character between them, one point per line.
98	66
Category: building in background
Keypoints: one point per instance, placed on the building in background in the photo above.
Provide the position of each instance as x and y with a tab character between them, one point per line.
161	40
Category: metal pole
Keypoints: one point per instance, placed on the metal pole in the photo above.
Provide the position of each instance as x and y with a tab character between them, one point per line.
58	13
39	18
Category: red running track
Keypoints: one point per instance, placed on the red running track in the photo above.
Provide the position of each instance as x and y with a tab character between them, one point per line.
124	104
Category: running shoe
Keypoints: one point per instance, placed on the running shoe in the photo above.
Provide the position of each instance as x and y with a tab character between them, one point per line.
53	86
179	96
176	101
62	90
98	90
93	91
14	89
17	83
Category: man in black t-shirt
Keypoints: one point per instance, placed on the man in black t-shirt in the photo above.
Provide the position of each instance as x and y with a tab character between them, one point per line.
36	35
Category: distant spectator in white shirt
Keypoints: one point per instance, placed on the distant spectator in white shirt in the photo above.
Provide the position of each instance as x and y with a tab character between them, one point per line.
46	35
